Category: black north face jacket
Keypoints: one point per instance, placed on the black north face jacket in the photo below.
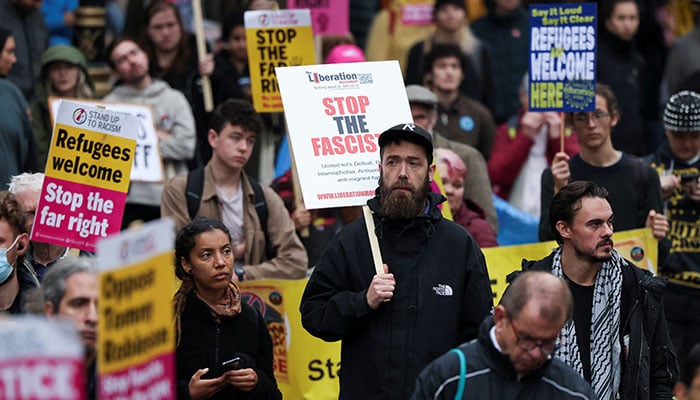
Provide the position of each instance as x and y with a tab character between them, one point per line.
442	294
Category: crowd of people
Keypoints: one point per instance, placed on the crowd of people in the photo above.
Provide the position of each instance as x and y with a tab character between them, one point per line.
583	322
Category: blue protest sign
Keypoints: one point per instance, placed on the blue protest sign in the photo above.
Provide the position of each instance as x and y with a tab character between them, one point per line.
562	57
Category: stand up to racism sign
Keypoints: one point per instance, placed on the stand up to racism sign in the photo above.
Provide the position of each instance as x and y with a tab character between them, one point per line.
562	57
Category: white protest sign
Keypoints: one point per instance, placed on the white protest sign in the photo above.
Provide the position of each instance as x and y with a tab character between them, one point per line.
335	114
148	164
41	359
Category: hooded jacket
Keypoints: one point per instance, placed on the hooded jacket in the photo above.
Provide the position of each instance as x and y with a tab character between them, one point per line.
171	112
649	367
41	114
490	375
442	294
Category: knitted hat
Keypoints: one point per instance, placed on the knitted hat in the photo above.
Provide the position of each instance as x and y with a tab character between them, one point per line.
411	133
682	113
345	53
440	3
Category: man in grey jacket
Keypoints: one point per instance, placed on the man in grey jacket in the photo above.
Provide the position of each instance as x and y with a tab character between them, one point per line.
171	113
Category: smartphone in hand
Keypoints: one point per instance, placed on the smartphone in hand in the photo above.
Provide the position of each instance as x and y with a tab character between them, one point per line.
234	363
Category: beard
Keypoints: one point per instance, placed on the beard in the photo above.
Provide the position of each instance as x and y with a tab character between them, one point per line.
399	205
591	256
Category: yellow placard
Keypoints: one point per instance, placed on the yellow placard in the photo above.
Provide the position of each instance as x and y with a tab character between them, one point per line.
136	318
276	39
97	159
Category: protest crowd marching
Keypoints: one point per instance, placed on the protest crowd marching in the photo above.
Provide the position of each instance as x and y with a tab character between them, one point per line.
380	152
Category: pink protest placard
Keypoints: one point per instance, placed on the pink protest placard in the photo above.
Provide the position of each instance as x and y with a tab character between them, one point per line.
152	379
87	176
40	359
76	215
328	17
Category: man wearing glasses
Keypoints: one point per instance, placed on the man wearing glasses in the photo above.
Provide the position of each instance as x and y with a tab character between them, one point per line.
618	339
512	356
634	189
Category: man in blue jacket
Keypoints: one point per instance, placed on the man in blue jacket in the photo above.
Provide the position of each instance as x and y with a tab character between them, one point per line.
434	291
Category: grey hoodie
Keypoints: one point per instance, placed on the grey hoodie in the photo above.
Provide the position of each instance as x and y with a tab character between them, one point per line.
171	112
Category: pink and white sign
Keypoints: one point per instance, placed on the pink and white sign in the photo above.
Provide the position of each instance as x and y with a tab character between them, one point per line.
328	17
87	176
335	114
40	359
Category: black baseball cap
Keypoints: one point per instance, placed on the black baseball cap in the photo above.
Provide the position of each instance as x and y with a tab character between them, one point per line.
409	132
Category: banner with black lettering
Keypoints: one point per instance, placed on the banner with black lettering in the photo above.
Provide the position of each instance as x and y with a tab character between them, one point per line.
136	344
562	57
276	39
87	176
335	114
148	164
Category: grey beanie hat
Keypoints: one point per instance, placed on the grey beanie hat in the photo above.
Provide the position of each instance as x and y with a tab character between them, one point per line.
682	113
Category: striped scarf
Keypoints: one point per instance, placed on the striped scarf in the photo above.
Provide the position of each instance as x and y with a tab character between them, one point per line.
605	329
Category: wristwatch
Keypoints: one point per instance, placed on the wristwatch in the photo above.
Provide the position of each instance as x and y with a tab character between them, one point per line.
238	269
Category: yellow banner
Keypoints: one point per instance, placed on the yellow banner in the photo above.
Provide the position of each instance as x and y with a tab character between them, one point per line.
638	246
276	39
93	158
136	320
307	367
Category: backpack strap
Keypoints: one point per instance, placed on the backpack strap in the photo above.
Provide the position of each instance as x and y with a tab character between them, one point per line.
462	372
260	204
193	190
193	193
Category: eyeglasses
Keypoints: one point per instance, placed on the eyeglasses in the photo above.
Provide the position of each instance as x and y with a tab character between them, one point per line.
529	344
585	117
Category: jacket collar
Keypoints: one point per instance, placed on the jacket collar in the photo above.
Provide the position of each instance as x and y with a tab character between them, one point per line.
499	362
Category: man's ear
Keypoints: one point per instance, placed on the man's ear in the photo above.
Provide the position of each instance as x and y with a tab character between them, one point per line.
499	314
431	172
564	230
48	309
212	135
22	244
614	119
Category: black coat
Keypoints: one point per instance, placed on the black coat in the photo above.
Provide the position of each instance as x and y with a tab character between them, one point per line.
204	343
490	375
442	294
649	367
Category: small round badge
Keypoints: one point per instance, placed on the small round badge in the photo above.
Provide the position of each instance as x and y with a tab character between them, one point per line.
466	123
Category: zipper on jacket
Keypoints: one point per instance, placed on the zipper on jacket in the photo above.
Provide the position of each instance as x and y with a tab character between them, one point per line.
216	347
624	329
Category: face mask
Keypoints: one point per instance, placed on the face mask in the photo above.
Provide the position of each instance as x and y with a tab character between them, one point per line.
5	267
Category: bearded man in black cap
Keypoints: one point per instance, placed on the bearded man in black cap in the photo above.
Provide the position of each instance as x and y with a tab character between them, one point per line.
678	163
434	291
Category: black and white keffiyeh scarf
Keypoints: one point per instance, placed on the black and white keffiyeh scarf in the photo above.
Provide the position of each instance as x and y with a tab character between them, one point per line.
605	329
